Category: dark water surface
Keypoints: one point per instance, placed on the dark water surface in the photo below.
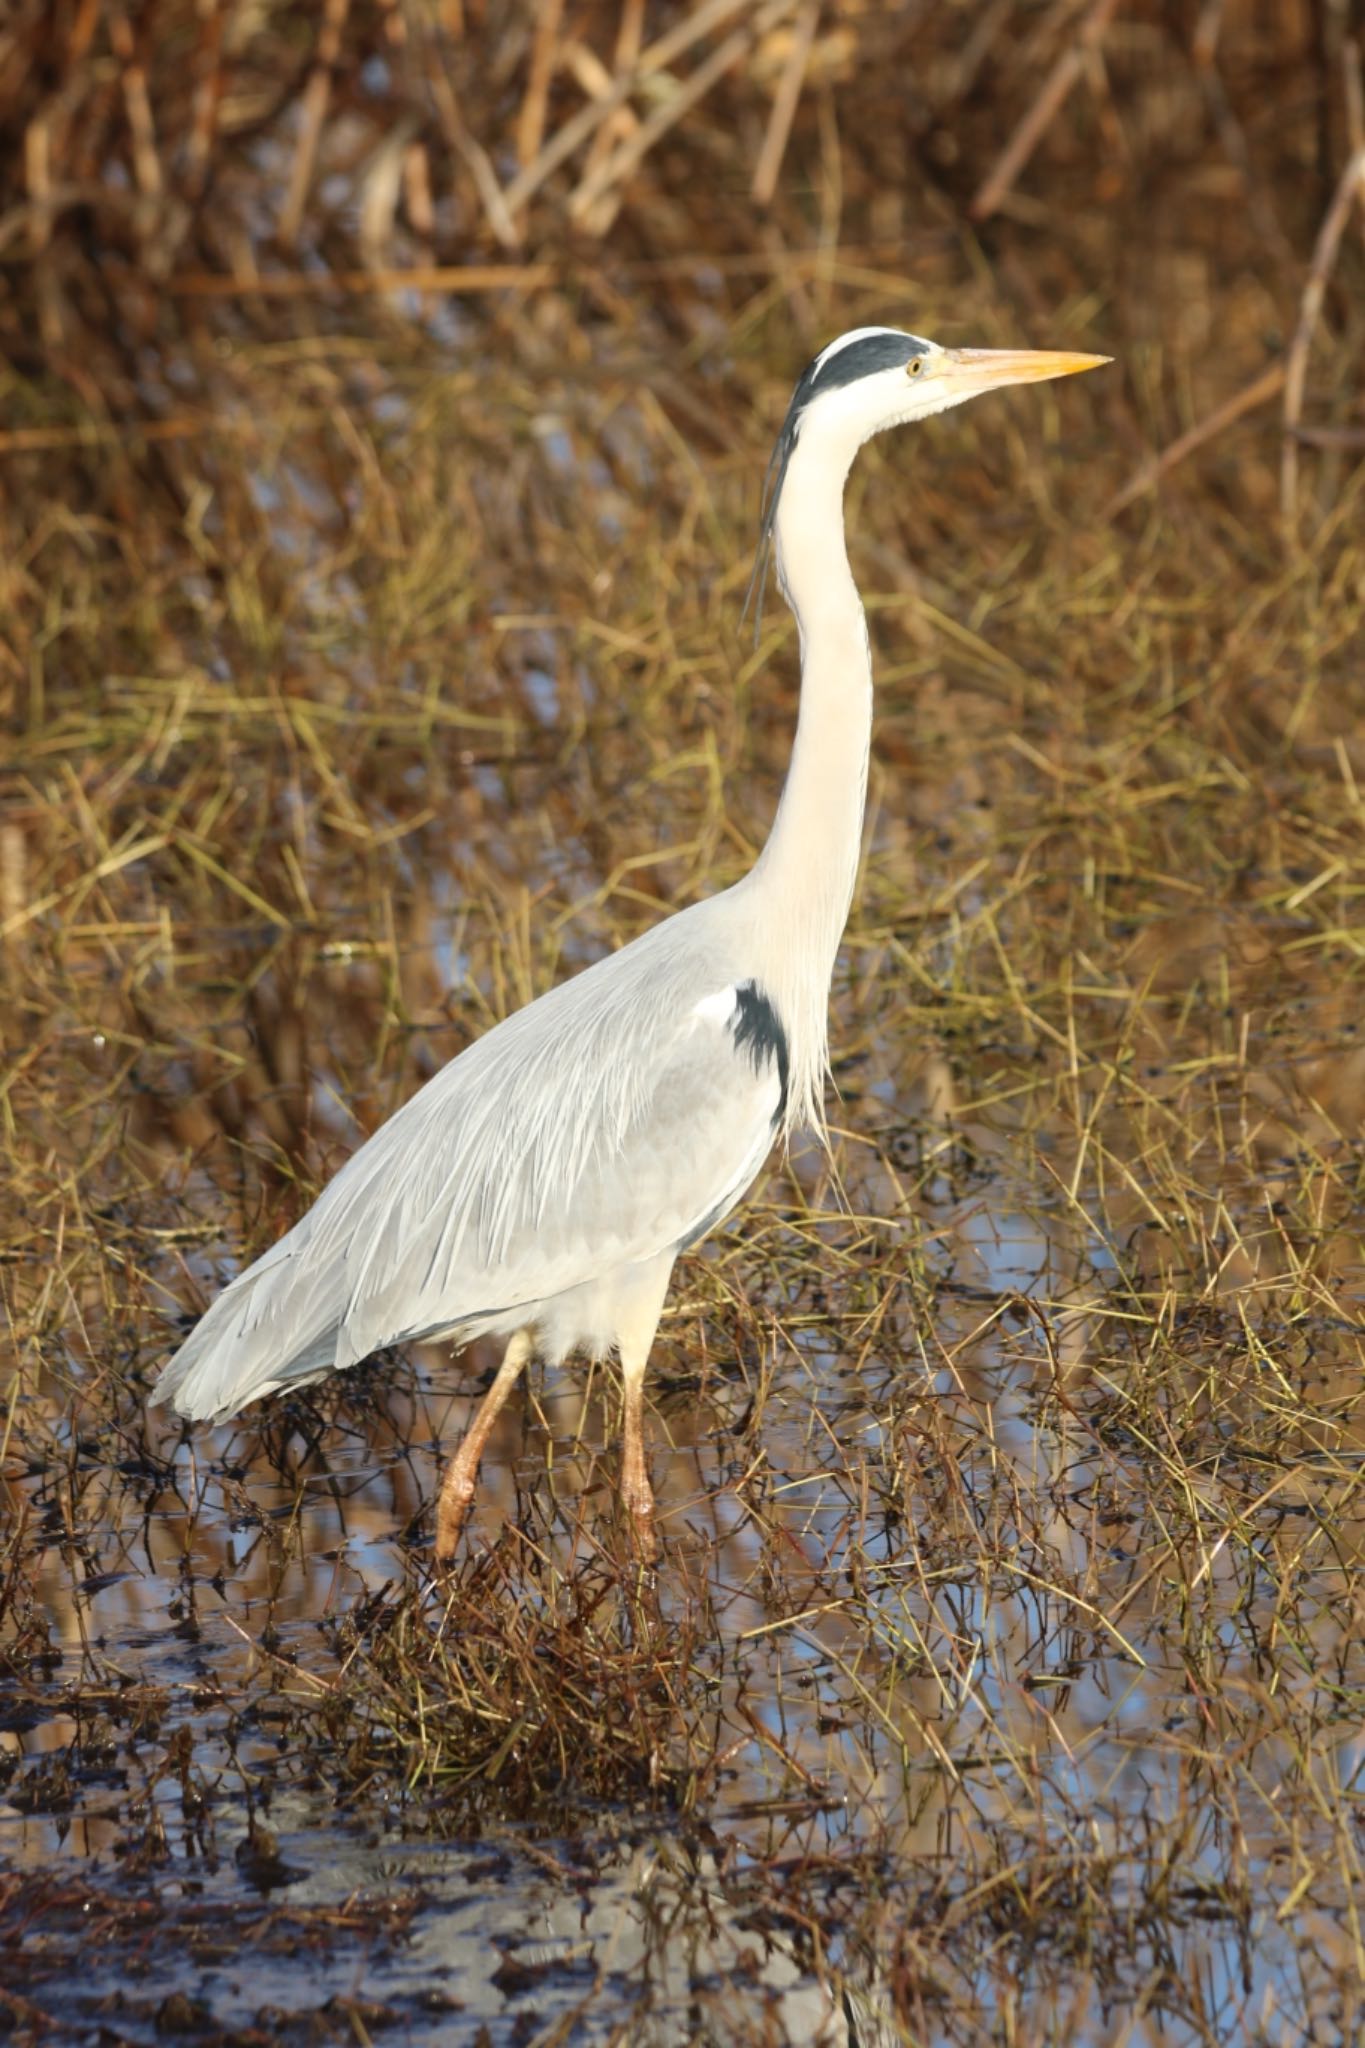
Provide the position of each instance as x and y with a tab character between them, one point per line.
1001	1677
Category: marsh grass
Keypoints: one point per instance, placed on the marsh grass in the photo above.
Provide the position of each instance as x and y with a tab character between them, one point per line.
371	666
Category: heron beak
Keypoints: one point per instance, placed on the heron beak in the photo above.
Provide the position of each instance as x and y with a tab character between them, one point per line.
970	370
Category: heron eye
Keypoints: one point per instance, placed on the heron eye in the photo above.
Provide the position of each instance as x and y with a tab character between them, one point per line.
914	366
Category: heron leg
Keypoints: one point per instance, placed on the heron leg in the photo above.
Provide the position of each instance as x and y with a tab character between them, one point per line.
457	1488
637	1322
636	1491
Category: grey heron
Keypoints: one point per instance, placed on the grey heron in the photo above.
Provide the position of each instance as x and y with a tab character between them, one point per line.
540	1186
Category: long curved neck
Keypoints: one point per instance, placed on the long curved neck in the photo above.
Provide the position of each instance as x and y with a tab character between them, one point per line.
807	870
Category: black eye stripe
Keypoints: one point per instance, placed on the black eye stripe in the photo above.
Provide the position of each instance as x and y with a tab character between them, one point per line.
887	349
855	360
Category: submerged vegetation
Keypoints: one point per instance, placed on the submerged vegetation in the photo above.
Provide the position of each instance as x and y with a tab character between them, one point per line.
386	393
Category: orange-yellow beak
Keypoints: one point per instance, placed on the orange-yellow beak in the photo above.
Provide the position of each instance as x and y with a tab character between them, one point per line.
969	370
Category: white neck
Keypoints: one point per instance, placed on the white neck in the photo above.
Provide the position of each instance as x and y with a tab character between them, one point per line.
807	870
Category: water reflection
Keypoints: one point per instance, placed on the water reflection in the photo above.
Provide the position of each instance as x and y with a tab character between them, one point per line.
942	1613
1004	1658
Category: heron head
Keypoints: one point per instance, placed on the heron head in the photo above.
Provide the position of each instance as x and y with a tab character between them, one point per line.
878	377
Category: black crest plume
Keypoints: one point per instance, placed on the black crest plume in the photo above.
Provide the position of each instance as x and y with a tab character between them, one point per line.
841	363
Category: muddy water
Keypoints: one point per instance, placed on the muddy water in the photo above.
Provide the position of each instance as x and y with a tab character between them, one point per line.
944	1639
1001	1674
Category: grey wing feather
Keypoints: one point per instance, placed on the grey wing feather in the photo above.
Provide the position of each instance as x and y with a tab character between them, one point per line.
602	1125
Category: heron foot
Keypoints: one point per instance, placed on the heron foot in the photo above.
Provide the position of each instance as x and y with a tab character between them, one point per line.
637	1498
452	1508
643	1538
637	1495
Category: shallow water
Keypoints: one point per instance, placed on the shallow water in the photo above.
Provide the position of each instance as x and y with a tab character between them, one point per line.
944	1675
1001	1675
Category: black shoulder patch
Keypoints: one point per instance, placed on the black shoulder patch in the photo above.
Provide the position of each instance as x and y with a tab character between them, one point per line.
758	1027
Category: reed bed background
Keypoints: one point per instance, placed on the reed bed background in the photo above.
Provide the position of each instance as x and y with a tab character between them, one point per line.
384	396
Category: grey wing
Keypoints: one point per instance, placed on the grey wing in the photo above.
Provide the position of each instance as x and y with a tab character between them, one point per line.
579	1136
